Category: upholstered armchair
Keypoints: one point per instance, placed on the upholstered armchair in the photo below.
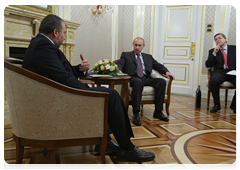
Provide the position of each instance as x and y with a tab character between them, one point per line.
148	94
47	114
225	85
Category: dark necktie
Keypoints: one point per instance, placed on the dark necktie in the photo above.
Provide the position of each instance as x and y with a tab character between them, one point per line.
225	58
139	66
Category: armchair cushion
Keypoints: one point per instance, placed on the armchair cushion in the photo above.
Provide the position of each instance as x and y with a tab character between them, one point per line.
148	90
224	84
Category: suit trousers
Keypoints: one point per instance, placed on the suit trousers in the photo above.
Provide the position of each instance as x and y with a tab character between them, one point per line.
118	120
217	78
138	84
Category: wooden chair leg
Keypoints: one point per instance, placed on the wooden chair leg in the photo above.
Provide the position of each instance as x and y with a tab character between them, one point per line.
226	96
167	109
103	148
208	99
19	151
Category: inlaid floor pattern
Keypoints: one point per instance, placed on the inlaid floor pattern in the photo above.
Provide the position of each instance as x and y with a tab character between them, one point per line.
190	137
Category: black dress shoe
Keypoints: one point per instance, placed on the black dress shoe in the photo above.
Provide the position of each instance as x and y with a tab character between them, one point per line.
215	108
136	120
161	116
136	155
112	146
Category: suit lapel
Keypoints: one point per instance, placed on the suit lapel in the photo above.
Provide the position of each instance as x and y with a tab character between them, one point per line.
221	56
229	53
132	56
144	59
146	63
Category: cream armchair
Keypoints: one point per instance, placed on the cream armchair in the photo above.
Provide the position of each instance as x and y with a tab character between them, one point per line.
46	114
148	94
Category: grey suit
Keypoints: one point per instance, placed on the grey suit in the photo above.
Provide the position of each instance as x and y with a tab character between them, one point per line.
128	64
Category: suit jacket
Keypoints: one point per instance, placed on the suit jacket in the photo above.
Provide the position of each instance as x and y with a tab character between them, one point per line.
218	61
44	58
128	64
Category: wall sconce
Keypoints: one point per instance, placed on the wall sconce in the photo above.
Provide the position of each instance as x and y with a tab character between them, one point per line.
99	9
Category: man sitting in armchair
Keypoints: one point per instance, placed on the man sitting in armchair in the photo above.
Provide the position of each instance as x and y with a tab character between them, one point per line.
139	66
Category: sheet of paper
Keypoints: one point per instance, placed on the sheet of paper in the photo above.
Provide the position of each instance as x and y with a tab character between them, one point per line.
100	75
233	72
122	74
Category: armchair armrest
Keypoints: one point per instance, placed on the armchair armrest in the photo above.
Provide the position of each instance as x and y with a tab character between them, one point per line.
13	60
158	74
169	83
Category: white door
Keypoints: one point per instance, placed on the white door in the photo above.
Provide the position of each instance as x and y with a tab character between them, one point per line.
177	44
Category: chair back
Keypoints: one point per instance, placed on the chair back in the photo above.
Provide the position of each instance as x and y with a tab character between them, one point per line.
42	109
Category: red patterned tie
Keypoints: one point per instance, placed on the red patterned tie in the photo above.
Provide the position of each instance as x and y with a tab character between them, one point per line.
225	58
139	66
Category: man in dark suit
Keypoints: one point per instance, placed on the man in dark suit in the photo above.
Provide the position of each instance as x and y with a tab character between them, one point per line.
44	57
222	65
139	66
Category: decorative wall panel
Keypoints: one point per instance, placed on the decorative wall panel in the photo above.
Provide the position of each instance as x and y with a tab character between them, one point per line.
208	36
180	71
178	23
147	29
232	27
126	14
177	52
120	30
93	37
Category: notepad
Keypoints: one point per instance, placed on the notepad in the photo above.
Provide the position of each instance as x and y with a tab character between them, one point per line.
233	72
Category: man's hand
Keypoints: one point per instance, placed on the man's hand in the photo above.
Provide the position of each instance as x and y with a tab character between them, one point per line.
170	75
85	64
216	49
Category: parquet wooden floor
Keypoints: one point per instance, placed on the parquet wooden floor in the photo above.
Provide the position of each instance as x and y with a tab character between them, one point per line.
190	137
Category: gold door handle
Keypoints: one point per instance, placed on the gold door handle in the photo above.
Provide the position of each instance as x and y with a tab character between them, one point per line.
192	50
